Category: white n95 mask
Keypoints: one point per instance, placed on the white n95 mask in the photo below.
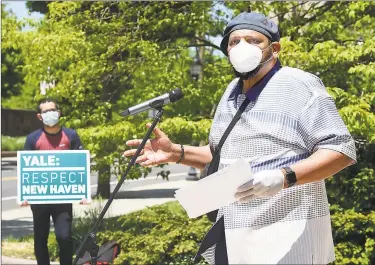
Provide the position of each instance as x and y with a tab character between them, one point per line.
245	57
50	118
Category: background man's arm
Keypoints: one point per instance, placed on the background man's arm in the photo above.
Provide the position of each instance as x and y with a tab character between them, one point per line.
29	144
76	142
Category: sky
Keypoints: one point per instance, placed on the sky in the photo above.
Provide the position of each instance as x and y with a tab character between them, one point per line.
20	10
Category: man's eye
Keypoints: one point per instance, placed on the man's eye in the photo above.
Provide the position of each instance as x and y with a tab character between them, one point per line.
252	41
45	111
234	42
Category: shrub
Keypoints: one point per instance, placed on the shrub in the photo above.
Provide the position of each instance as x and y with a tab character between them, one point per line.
165	235
353	235
9	143
82	225
156	235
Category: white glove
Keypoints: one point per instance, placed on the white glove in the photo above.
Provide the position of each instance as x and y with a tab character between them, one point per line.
264	184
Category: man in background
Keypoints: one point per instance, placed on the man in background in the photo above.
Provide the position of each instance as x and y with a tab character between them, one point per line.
52	137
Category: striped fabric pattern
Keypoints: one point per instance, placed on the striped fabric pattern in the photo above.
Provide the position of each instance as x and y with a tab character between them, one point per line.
293	117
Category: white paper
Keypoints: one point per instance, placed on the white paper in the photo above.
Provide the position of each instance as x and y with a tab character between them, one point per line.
214	191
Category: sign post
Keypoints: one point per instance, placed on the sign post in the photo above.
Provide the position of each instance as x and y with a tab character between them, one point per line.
53	177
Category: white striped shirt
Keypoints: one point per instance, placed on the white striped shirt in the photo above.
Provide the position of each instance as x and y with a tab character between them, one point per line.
292	118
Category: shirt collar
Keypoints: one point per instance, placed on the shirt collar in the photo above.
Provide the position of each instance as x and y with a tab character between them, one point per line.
255	91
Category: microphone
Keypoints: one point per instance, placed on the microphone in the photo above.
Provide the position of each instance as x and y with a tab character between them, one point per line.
171	96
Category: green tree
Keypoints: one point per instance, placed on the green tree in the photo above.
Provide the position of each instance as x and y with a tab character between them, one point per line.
107	56
37	6
17	88
11	62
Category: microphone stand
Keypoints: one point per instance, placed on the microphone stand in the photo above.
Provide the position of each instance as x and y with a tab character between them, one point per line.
89	243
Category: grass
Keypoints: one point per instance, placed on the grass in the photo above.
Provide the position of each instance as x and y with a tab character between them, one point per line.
18	249
23	247
18	239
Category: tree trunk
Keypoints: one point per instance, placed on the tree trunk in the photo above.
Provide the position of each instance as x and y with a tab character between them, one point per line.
104	187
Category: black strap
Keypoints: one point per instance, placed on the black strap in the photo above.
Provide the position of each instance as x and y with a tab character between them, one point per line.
213	166
216	234
230	126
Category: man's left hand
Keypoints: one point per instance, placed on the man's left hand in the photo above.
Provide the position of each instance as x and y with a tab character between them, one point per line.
264	184
84	202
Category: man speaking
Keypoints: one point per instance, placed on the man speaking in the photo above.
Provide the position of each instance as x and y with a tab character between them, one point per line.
293	138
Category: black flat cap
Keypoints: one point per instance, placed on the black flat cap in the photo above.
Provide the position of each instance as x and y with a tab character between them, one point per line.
254	21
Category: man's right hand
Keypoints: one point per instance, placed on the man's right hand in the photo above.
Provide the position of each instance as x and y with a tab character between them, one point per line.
157	151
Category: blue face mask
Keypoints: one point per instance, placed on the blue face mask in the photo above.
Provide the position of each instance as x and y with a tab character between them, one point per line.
50	118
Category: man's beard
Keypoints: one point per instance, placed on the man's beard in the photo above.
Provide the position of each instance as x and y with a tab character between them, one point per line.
247	75
252	73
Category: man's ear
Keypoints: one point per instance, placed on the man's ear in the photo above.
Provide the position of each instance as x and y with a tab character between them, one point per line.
276	47
39	116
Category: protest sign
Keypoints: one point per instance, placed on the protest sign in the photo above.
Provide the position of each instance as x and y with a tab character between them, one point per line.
56	176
